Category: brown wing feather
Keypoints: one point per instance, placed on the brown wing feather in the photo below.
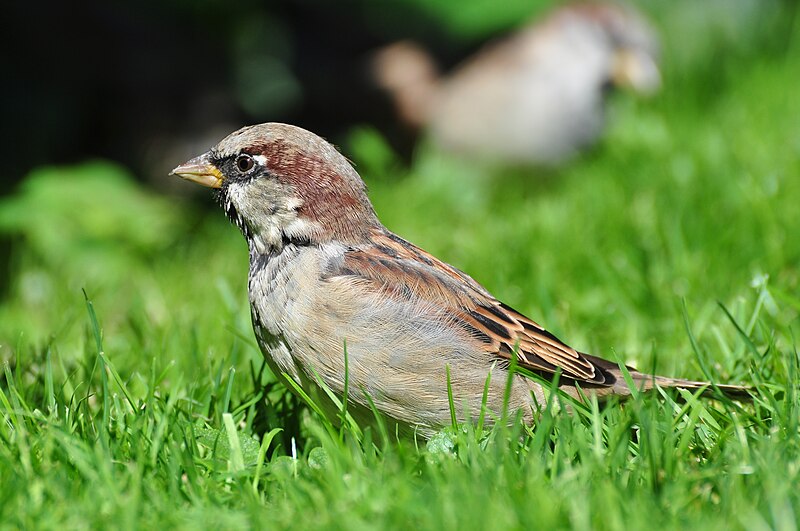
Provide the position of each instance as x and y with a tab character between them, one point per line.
404	270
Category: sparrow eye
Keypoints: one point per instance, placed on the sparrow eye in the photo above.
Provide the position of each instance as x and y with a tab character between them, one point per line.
244	163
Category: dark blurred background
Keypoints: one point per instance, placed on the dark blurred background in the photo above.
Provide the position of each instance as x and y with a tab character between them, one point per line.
149	83
125	80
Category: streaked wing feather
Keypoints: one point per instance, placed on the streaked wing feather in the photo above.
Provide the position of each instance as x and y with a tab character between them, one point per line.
403	270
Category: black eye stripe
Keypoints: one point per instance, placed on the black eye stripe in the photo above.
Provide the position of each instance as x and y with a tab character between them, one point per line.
229	166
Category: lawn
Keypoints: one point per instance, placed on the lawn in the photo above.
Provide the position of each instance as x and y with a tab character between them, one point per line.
133	393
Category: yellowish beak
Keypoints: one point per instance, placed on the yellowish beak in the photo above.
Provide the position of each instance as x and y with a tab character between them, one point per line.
636	70
200	170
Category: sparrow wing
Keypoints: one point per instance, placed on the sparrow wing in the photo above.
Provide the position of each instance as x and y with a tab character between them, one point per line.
403	271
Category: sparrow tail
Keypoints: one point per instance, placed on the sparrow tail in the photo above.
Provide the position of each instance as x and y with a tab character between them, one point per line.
645	382
408	73
736	392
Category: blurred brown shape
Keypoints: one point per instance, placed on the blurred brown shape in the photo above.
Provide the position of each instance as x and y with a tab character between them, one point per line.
534	97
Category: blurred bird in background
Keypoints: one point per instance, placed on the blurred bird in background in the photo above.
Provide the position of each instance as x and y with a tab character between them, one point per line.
535	97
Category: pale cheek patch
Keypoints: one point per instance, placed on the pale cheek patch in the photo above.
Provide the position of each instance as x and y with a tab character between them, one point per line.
265	212
301	229
293	203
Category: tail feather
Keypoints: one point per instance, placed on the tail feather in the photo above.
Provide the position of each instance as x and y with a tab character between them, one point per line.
410	76
739	392
646	382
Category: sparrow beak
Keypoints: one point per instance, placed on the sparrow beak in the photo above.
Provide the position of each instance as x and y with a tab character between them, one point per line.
200	170
637	70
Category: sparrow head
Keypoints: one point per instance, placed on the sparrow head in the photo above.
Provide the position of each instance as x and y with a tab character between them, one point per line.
628	42
282	184
635	46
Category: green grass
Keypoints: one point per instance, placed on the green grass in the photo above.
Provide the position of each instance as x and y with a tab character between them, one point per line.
674	246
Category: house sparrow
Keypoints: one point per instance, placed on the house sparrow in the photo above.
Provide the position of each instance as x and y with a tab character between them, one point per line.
326	275
534	97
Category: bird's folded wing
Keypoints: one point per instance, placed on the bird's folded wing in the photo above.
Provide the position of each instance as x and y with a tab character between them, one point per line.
402	271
